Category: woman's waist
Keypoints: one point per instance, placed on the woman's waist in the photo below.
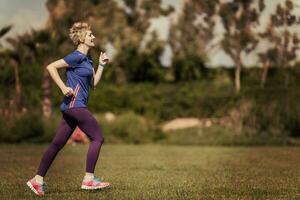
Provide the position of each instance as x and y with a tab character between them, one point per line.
79	98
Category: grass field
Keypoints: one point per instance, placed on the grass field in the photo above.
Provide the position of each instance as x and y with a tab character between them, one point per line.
158	172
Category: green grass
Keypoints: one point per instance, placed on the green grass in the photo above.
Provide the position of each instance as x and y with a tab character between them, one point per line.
158	172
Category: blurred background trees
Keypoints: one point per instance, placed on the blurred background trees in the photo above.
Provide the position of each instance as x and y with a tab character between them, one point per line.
137	80
239	18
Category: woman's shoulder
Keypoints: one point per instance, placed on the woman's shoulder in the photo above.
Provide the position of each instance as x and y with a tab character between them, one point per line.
74	58
75	55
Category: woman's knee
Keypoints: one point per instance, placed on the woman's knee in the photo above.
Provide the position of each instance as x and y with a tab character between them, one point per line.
58	144
99	139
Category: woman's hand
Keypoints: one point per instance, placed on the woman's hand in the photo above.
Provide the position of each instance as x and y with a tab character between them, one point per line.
67	91
103	59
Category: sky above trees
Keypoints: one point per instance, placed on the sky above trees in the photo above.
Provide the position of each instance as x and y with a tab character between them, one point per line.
23	15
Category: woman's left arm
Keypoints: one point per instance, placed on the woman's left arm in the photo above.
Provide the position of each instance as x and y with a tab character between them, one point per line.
103	60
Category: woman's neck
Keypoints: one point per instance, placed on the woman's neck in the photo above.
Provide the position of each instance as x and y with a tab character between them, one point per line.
83	48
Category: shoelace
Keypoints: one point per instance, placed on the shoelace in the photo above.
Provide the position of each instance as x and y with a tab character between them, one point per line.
43	186
97	179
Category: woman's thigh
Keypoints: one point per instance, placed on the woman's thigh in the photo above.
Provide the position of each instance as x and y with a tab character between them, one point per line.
86	122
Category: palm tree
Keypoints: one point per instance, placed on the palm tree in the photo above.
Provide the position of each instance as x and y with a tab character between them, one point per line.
5	30
41	44
16	57
12	59
45	44
35	47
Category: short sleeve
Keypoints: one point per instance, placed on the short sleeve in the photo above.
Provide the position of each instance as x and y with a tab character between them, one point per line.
73	59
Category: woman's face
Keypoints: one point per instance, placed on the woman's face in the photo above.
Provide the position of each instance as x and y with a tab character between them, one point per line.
89	39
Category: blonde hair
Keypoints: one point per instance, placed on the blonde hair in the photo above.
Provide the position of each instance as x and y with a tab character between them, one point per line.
78	32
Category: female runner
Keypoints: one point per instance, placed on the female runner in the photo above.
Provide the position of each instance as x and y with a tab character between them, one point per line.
80	77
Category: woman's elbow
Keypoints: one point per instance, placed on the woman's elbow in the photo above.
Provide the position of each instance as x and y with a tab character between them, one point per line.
93	86
49	67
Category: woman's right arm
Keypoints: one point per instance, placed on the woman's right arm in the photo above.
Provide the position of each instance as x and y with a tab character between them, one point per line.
52	69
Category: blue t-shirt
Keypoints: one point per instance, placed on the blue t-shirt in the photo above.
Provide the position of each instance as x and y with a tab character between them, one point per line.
79	76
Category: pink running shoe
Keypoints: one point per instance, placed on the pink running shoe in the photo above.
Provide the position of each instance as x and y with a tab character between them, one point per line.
38	189
96	183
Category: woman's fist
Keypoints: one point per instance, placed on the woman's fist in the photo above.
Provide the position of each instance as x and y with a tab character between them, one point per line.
67	91
103	59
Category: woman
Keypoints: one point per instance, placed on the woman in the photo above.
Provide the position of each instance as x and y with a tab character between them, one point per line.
80	76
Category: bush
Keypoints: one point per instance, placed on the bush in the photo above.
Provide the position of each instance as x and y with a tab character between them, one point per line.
3	129
187	68
273	113
130	128
143	66
220	135
274	110
25	128
163	101
50	127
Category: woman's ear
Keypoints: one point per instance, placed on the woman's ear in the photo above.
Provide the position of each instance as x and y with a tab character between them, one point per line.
81	39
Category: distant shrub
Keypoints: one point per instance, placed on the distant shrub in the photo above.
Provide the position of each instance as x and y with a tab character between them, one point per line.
274	110
187	68
24	128
273	113
220	135
130	128
3	129
161	102
50	127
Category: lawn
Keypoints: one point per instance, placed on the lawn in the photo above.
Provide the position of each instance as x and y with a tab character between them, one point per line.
158	172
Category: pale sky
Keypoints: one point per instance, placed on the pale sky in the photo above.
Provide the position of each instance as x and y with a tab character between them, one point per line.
23	15
27	14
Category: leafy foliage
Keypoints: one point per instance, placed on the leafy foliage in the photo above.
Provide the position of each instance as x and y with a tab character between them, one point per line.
238	18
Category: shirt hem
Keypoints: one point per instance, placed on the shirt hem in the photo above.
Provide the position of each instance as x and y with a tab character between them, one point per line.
73	108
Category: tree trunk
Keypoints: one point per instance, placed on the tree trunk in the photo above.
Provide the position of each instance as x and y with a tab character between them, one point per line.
238	76
18	90
264	75
47	94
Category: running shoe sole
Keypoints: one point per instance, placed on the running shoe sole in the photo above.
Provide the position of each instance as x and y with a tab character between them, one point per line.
85	187
32	188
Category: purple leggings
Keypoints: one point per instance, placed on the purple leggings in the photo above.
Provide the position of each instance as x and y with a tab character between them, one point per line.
73	117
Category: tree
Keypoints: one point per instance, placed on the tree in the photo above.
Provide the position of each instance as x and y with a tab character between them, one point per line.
267	58
43	46
29	49
135	63
121	27
239	17
15	58
4	30
286	42
188	38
